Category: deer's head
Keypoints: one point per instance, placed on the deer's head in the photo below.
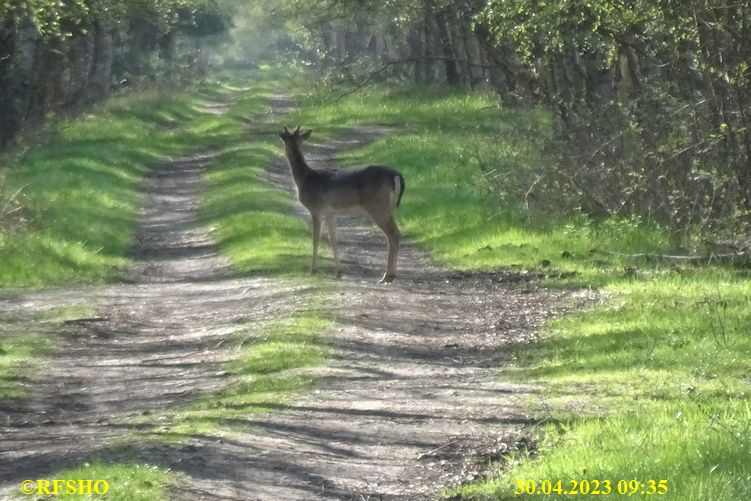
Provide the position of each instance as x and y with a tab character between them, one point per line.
294	138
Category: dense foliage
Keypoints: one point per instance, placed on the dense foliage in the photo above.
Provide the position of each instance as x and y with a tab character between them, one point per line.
651	99
56	54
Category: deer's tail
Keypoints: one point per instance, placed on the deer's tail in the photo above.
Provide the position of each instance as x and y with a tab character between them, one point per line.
399	187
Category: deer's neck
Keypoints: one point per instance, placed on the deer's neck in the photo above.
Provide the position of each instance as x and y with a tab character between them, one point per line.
297	164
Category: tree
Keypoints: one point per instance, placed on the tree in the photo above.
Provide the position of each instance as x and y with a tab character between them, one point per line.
55	54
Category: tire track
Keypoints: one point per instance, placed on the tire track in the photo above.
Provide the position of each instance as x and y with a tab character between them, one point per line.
411	397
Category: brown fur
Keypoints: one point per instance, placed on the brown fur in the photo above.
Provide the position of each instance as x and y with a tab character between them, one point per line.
375	190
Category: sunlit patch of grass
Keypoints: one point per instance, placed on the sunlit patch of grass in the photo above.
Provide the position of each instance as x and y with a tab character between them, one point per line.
125	481
654	383
255	222
699	453
79	188
275	364
688	328
442	142
661	390
256	226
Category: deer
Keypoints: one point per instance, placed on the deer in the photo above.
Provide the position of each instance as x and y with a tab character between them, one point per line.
375	190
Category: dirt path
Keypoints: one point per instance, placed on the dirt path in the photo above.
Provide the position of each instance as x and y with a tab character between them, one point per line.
411	395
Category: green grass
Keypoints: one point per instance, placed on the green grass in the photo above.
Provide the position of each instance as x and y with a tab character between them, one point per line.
443	138
78	185
274	366
652	384
80	202
124	481
659	382
76	188
256	226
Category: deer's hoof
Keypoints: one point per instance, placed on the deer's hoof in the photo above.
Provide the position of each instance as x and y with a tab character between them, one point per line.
338	274
313	271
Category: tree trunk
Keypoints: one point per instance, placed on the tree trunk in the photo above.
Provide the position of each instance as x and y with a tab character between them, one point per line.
714	53
466	37
416	50
427	28
23	78
82	59
8	34
452	70
100	81
502	76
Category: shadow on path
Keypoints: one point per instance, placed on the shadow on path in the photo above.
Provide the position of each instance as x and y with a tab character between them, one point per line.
412	390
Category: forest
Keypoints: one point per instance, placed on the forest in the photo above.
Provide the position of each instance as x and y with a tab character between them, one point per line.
649	99
572	306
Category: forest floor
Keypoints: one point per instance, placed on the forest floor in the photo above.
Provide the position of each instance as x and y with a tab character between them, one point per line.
411	399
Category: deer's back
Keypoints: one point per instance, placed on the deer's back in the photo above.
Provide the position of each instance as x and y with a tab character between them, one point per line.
348	190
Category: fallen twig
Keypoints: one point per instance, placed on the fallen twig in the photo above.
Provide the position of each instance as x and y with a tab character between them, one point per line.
430	453
668	257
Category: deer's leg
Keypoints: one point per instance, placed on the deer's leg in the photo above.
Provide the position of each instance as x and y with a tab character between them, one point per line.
393	236
331	226
316	237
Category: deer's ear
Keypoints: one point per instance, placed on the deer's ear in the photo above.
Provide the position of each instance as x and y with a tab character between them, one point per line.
305	135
